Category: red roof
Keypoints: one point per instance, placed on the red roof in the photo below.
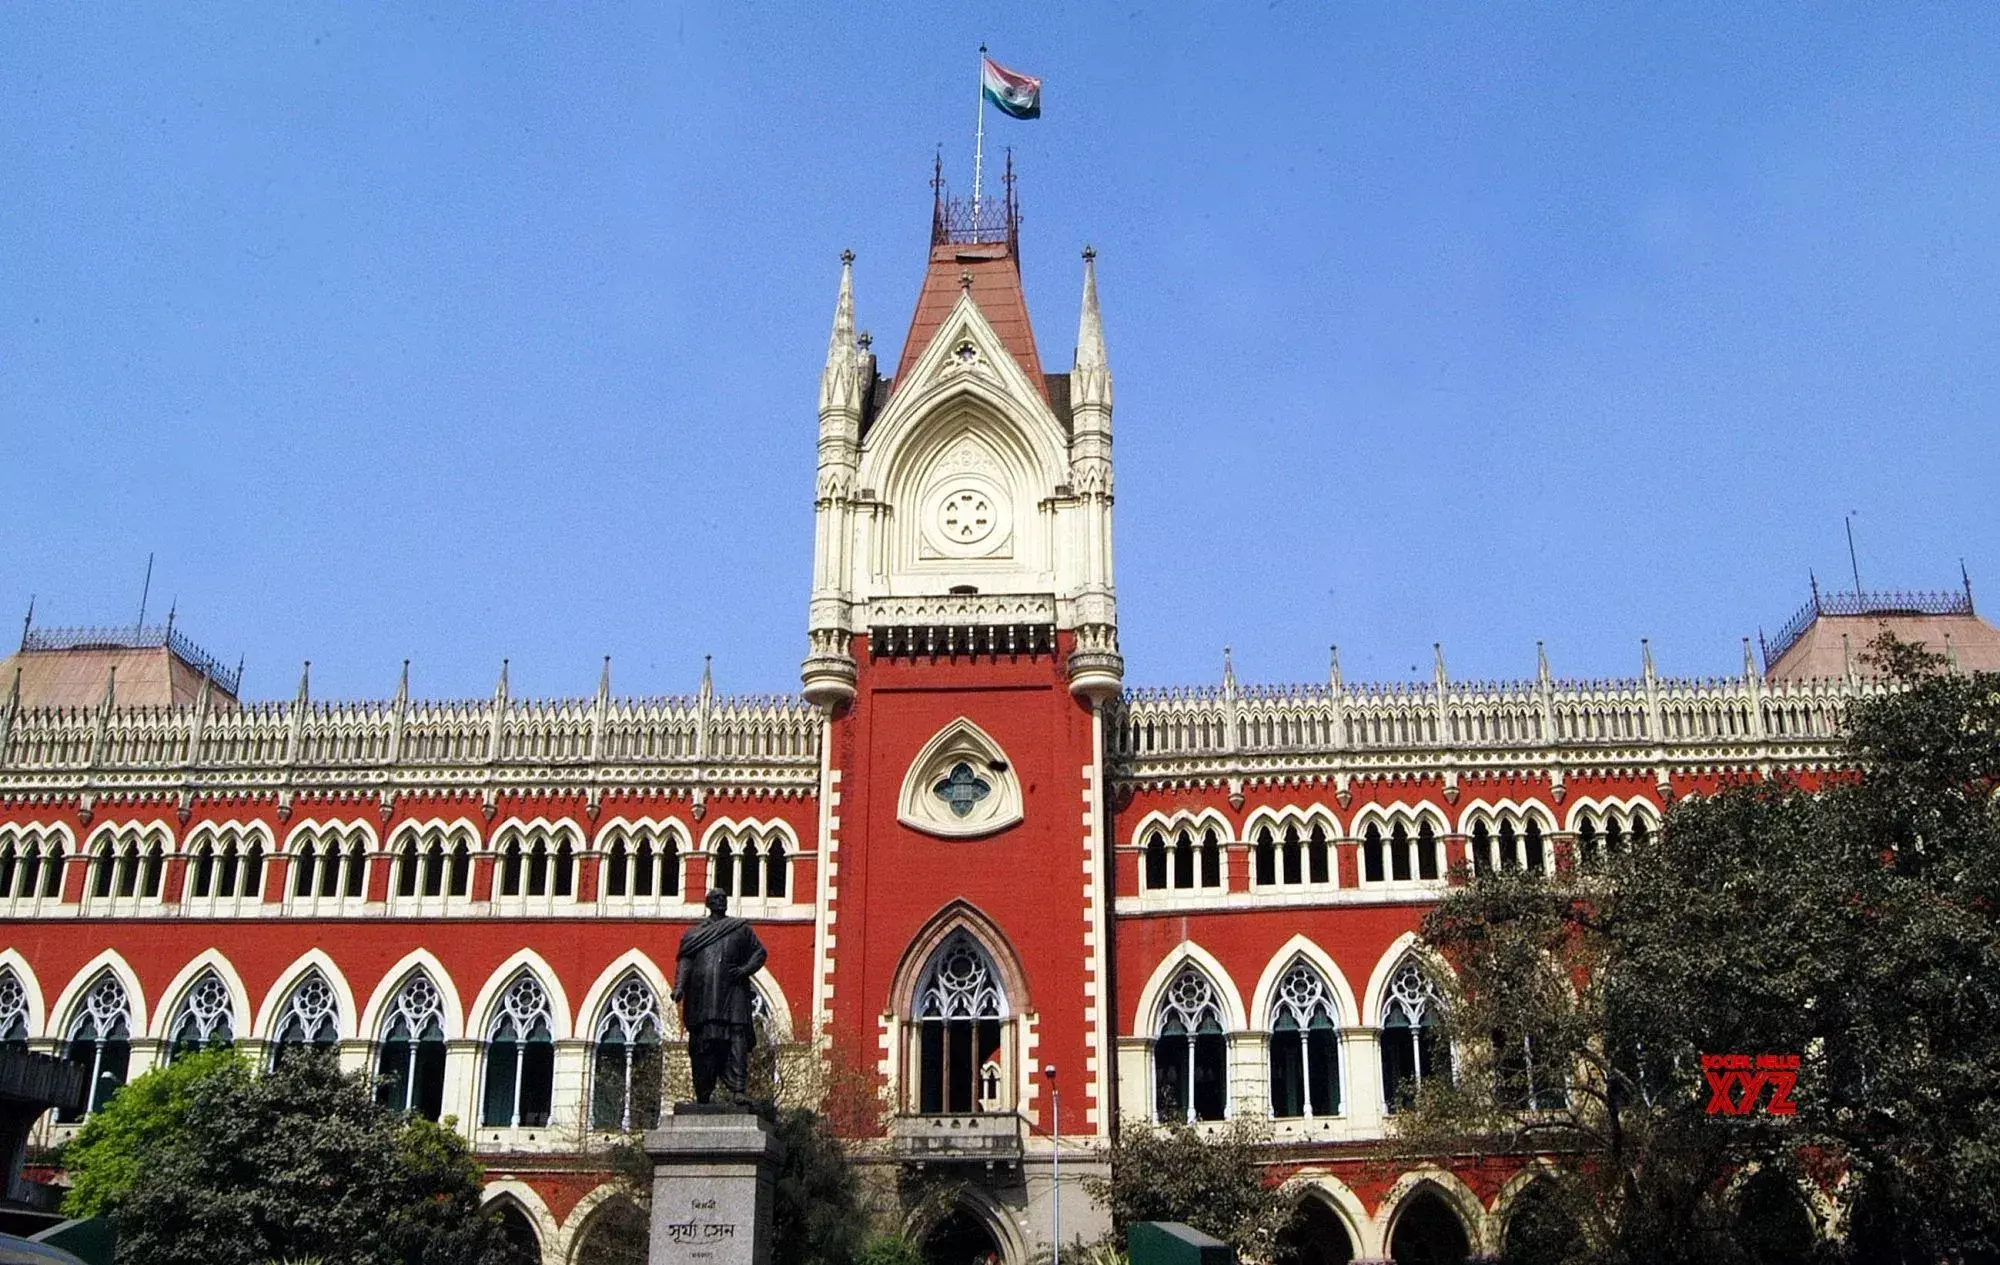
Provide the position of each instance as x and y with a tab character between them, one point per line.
996	288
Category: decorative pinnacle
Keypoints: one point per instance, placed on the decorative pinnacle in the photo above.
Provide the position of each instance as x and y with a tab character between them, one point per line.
847	256
1089	253
965	280
864	340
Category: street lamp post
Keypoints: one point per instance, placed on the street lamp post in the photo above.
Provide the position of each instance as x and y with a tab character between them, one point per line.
1055	1164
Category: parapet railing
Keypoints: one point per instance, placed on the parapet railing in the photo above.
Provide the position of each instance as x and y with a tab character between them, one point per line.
1225	719
776	731
1888	602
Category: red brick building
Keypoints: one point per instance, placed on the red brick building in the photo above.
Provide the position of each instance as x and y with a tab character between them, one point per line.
986	872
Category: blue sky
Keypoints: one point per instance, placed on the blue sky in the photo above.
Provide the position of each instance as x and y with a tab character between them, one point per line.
462	332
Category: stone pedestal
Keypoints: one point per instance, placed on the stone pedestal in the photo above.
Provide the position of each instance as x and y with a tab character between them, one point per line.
712	1174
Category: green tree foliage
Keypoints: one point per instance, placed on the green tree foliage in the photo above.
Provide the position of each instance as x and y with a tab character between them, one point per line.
817	1214
105	1157
223	1167
1214	1181
1856	925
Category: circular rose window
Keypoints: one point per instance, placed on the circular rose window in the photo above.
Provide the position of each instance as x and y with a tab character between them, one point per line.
966	517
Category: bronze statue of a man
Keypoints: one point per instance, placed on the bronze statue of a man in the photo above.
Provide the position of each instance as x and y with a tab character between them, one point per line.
712	983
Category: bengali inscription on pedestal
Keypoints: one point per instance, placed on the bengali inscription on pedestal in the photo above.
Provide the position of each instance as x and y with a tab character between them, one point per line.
712	1175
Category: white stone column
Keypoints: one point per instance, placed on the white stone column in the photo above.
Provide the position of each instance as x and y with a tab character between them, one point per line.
1361	1080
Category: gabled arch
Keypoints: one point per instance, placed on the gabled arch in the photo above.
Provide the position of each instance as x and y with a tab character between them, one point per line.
1497	810
1301	948
562	1020
1447	1186
1599	805
450	829
978	1204
176	991
269	1010
218	831
391	983
1410	816
142	832
111	962
962	742
1347	1207
582	1220
31	991
1204	818
1404	946
779	1006
525	1199
959	915
631	962
1185	953
1304	817
762	828
342	827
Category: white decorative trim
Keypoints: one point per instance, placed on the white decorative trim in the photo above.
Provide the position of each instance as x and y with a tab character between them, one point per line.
271	1010
1294	949
176	992
961	742
561	1018
370	1026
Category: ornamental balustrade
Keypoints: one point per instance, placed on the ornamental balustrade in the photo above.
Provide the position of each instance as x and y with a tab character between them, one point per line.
775	735
1684	714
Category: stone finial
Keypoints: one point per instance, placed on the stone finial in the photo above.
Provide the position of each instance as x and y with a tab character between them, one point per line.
1749	661
1333	667
1541	664
604	680
500	690
1228	671
403	684
28	624
965	280
305	682
1646	658
707	677
1437	656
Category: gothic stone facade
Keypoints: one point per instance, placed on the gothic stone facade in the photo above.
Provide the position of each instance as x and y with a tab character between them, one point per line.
987	873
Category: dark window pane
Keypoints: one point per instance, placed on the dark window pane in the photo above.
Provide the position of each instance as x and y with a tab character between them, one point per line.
503	1064
1288	1075
1170	1056
1156	863
1211	1054
430	1079
1323	1070
930	1072
538	1078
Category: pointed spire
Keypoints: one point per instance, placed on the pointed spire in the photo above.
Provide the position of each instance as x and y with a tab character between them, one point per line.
500	690
403	685
29	622
707	678
1815	590
840	382
1846	657
111	689
1749	662
1437	655
1965	577
1228	672
1646	658
14	694
604	681
173	609
841	342
1333	668
1541	664
305	683
1090	381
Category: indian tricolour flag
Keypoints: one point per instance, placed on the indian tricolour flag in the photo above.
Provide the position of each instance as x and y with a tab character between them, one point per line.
1018	96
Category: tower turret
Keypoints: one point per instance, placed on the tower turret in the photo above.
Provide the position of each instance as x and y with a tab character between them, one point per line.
828	673
1096	669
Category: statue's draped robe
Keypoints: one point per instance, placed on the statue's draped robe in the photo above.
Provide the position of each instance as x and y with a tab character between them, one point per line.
715	963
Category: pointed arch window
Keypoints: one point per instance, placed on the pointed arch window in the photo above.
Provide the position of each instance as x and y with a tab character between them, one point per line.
1305	1046
520	1058
962	1029
626	1066
204	1021
30	865
410	1068
310	1019
100	1038
1181	860
13	1011
1412	1047
1190	1051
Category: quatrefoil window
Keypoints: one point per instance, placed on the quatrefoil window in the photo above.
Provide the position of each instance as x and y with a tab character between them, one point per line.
961	789
965	353
960	786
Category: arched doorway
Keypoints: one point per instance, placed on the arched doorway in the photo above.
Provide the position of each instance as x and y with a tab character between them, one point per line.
962	1238
1539	1227
1428	1232
517	1234
1316	1236
617	1235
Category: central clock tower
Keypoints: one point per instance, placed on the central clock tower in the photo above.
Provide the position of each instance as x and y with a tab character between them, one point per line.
963	644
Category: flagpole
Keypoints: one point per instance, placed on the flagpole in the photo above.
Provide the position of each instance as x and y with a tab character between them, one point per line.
979	139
